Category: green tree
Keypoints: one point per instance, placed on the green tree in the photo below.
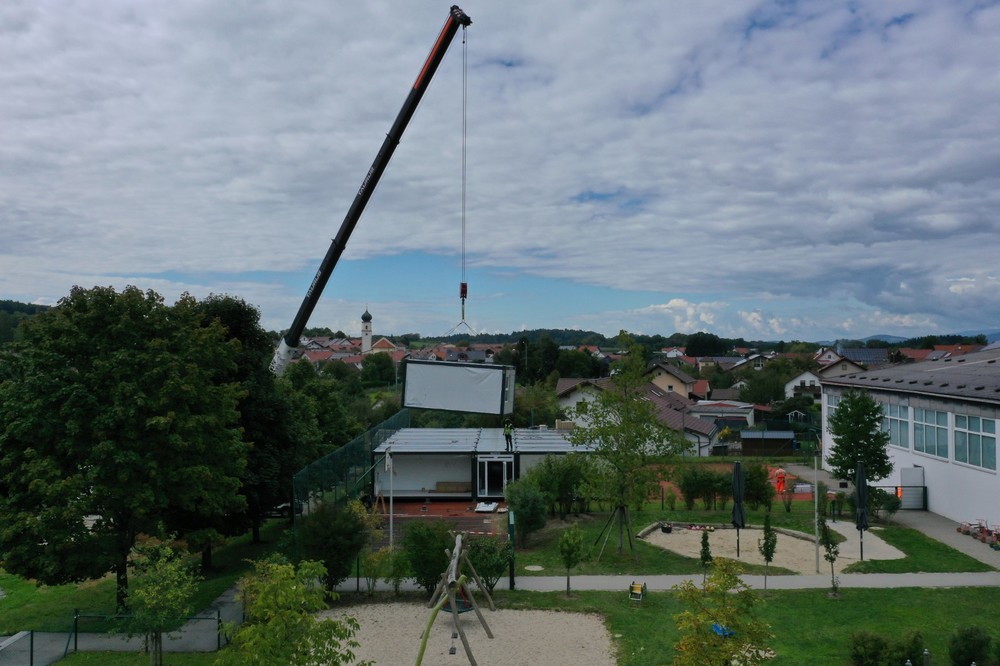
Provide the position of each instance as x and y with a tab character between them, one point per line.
425	544
571	550
718	625
856	426
830	550
334	534
561	478
622	429
705	344
378	370
265	419
490	557
705	555
160	595
767	545
575	363
120	407
280	623
528	503
536	405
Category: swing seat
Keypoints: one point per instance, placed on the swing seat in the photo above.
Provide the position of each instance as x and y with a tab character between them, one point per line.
636	591
462	605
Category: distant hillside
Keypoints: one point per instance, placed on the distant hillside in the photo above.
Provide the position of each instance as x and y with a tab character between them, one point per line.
12	313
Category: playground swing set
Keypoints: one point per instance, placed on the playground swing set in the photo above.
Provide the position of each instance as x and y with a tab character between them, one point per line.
453	590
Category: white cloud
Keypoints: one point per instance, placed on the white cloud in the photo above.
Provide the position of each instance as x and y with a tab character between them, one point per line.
749	166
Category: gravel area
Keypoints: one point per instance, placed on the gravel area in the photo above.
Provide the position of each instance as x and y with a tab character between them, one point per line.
391	633
797	553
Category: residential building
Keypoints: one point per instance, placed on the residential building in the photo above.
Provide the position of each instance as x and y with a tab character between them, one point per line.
671	409
806	383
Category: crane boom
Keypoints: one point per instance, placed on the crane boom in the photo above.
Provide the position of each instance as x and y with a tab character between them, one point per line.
283	354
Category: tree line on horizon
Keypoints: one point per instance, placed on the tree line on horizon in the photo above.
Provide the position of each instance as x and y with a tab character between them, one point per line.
700	343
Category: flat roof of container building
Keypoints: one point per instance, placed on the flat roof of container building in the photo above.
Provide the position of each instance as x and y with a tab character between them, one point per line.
477	440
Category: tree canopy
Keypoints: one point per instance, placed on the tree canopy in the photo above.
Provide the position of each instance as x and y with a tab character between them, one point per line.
114	410
856	426
625	433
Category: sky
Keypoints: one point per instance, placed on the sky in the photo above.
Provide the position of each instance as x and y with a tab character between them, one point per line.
793	170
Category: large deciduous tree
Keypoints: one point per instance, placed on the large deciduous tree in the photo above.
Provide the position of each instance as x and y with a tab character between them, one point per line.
856	426
265	413
115	410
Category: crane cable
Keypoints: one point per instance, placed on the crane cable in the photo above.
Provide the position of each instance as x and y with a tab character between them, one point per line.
464	287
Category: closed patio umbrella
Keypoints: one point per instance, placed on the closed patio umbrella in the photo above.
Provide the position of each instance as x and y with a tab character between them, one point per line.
739	516
861	504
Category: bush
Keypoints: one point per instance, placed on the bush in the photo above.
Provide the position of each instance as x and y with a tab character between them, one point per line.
490	557
909	646
689	482
529	507
333	534
758	491
969	644
890	505
867	649
425	543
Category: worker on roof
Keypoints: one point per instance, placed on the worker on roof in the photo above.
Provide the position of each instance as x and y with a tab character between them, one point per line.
508	434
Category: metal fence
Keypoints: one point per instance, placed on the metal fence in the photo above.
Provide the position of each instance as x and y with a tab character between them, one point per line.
18	650
343	473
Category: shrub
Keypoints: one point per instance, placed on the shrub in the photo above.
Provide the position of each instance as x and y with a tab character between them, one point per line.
890	505
333	534
689	483
867	648
671	499
909	647
425	543
969	644
759	492
490	557
529	507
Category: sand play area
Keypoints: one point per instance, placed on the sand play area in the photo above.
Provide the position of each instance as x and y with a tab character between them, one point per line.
390	634
797	553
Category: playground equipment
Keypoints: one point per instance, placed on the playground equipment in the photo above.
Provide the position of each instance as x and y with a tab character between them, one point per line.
454	591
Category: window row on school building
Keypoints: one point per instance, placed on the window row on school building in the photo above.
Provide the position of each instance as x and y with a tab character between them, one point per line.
941	417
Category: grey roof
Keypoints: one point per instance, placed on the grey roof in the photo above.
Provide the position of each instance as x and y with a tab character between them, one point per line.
866	356
767	434
973	377
477	440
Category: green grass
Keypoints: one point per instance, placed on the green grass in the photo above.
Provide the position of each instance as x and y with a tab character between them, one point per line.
809	626
923	554
543	551
51	607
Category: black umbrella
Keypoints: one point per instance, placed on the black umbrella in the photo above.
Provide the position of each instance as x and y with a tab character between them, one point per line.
739	516
861	502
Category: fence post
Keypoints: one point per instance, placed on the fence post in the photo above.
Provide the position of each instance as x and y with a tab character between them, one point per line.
927	657
76	629
31	648
218	629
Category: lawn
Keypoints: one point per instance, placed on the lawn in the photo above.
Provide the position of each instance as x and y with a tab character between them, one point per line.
923	554
809	626
51	607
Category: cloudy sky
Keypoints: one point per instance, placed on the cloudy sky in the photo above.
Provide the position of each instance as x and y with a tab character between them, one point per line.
771	170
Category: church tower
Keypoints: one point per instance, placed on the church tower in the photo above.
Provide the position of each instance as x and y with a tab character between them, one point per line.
366	332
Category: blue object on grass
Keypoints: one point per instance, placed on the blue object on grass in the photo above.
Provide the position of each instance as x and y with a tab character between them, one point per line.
725	632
